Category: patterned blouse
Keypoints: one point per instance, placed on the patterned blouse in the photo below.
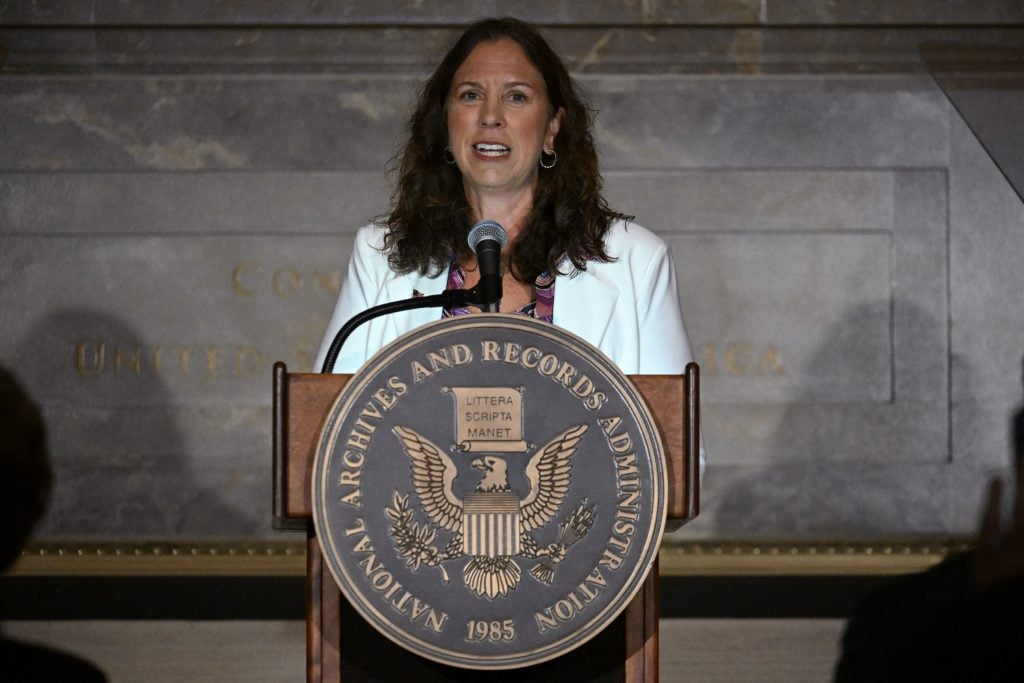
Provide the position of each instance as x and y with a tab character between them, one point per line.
542	307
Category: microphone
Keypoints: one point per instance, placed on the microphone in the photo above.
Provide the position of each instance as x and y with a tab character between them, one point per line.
486	240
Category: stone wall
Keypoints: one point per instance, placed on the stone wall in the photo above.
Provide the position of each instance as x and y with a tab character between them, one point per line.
180	182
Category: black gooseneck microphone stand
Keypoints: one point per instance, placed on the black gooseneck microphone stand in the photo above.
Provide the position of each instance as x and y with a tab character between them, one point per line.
448	298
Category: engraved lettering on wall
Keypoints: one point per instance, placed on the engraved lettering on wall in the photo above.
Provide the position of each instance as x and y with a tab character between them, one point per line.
93	358
254	278
742	359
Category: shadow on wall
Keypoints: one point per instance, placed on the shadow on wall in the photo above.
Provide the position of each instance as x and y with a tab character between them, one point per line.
119	455
24	490
830	468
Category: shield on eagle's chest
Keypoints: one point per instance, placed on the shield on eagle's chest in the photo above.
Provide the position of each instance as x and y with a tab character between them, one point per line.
490	524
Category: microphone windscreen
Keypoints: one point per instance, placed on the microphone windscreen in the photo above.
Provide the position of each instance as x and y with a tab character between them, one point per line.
486	230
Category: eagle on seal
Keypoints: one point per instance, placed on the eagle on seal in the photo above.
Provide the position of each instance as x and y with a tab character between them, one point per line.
492	524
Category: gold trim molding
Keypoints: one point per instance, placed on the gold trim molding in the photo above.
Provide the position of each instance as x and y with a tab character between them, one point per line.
163	558
677	558
805	558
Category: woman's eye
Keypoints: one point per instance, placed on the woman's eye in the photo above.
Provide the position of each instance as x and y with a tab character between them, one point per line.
469	96
517	97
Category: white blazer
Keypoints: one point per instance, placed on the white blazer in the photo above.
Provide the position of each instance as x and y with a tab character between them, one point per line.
628	308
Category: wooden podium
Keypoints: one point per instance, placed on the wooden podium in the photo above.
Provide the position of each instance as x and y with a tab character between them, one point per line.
341	646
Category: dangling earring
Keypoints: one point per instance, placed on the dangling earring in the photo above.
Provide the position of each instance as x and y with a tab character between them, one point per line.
449	158
554	159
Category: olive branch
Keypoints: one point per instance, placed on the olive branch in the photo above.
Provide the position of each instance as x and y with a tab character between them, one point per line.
414	541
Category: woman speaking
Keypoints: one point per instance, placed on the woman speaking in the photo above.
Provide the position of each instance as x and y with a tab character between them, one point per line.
500	133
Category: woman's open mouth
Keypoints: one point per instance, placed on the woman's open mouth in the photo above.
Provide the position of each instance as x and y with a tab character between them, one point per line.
492	150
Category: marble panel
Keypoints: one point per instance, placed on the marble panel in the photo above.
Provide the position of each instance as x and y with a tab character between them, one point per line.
327	201
202	123
157	470
177	203
814	498
204	316
785	319
754	201
818	342
336	122
150	358
47	12
770	122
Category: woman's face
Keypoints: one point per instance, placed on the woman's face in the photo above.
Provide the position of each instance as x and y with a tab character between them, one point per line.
499	119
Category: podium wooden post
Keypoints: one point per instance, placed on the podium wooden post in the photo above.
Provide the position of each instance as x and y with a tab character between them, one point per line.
301	401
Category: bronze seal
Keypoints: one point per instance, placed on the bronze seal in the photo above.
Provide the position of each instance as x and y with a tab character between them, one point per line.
489	491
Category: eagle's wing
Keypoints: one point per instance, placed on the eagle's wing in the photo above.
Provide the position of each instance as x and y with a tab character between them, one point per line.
549	472
432	475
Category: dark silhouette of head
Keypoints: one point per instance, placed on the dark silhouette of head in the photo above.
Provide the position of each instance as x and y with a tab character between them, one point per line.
26	469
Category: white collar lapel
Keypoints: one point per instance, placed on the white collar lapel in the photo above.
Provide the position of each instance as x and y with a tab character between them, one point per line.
584	303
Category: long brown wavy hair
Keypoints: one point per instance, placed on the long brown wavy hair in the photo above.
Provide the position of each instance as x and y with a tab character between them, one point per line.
431	217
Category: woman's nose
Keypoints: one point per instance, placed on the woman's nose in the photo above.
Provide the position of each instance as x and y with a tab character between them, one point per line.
491	115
